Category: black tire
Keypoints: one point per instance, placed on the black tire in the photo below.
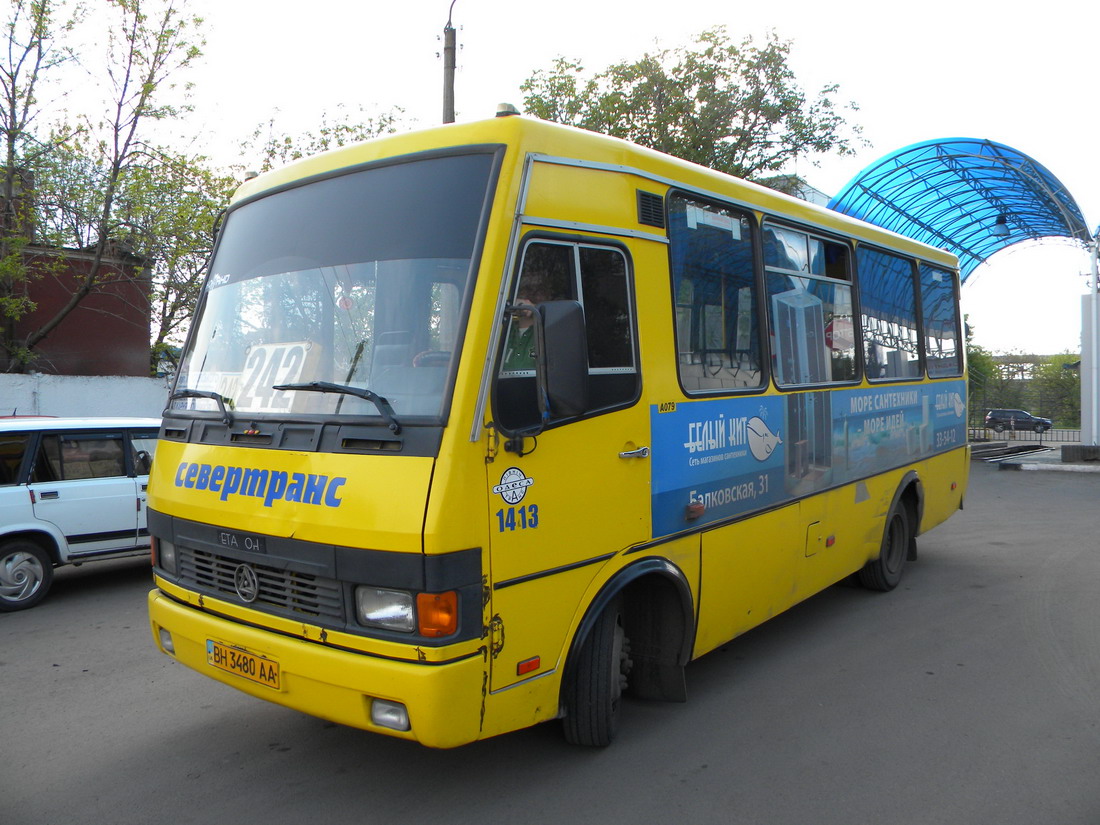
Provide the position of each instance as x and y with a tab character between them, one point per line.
998	428
595	682
26	574
884	573
1040	429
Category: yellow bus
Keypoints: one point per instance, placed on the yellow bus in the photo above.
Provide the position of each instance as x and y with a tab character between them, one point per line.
495	423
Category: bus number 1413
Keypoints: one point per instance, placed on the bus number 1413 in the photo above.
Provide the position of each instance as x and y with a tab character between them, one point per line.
517	518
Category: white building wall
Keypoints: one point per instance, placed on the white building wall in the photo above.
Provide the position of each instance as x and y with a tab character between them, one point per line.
77	395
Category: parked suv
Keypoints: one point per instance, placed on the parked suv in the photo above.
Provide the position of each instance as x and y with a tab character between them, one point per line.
71	490
1001	420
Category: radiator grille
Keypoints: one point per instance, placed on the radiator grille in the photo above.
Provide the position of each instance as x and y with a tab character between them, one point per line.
287	591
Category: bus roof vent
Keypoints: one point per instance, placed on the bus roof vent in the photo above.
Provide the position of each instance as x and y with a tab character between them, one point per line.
506	110
651	209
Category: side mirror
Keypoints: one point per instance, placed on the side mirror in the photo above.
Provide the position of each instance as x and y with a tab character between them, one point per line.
561	362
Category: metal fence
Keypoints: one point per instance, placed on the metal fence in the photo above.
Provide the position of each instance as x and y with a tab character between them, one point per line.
1063	408
1049	437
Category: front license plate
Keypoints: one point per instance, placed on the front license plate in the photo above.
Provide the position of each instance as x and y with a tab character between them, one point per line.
258	669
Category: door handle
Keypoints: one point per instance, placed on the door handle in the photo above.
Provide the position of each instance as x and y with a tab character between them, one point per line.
641	452
51	495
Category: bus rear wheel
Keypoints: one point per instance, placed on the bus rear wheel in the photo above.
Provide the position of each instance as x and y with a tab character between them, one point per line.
884	573
595	684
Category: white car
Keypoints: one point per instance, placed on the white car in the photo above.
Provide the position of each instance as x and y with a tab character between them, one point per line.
71	490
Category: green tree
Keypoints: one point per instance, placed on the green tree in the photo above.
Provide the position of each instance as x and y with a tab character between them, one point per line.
984	382
1057	389
983	373
144	50
270	147
735	107
33	52
169	208
85	174
1008	384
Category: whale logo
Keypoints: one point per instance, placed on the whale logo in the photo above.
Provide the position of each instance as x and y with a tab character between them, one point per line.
762	441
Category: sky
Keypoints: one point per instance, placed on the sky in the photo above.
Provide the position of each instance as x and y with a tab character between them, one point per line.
1016	73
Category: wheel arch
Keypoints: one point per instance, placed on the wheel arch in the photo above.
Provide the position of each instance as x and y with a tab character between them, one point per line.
42	538
910	494
659	620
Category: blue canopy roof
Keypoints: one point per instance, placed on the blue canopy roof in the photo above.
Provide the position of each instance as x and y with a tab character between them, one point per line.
950	193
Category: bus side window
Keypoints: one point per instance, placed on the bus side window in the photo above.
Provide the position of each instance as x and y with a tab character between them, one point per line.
809	285
714	289
546	275
609	323
940	321
598	277
888	304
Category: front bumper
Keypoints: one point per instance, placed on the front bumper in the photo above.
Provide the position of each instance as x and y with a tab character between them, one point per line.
444	700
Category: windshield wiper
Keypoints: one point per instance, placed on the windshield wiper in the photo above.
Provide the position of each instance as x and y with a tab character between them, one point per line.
227	419
343	389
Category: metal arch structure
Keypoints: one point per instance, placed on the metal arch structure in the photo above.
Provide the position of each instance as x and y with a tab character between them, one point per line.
951	192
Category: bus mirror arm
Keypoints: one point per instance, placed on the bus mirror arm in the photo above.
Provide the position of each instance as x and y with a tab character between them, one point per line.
515	441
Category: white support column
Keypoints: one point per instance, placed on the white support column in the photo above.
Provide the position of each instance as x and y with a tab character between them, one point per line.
1090	351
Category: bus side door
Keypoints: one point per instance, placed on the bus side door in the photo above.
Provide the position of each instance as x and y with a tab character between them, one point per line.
564	502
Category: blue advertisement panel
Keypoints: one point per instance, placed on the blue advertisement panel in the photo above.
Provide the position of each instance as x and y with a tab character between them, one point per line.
719	458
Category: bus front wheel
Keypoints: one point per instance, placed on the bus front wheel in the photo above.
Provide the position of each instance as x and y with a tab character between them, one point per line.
596	681
884	573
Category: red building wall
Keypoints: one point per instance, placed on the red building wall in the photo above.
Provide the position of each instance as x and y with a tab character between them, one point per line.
107	333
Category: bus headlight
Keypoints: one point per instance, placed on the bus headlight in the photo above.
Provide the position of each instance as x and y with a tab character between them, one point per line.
385	609
165	555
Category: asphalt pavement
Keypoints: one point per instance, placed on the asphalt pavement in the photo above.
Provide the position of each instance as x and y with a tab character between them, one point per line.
1045	458
970	695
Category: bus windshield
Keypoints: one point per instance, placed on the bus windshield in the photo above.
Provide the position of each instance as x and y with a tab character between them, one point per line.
324	297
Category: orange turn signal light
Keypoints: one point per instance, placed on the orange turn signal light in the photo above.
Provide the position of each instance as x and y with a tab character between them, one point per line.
438	613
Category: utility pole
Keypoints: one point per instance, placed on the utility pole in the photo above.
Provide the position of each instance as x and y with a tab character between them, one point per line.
449	68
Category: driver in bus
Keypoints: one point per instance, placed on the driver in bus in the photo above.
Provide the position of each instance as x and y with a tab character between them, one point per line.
519	348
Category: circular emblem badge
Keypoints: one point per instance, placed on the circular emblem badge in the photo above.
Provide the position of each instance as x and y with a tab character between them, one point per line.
513	485
248	586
